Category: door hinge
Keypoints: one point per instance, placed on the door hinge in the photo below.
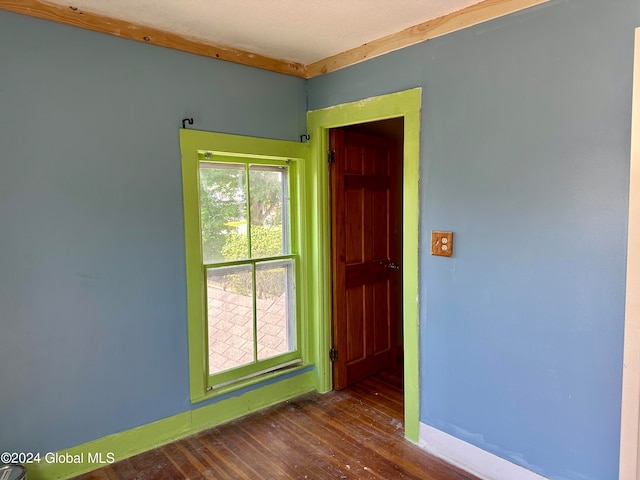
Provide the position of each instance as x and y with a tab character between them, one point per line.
333	354
331	157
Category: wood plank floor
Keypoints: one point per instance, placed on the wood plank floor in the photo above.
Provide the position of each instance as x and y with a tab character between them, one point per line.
356	433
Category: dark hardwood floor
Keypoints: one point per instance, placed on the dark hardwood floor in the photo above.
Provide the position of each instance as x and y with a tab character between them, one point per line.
356	433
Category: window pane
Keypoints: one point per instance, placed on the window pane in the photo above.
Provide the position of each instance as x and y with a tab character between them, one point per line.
223	206
230	317
274	292
269	216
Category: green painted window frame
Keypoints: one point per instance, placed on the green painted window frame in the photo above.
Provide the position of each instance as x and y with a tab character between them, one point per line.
197	146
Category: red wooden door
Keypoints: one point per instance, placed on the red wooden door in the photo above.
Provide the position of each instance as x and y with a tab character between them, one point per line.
365	263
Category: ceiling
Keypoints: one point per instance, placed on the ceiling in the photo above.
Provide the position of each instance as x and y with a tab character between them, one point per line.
305	38
302	31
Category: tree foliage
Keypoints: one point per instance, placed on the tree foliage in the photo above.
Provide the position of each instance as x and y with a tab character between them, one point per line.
266	197
223	217
223	207
222	202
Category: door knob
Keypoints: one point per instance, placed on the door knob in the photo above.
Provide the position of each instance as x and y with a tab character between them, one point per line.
393	266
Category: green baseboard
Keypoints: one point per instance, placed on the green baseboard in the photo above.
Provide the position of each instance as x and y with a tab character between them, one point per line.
97	453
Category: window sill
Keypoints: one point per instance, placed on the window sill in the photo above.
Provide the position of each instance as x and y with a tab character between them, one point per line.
214	392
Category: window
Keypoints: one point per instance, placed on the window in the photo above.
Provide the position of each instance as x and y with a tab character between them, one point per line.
248	266
243	254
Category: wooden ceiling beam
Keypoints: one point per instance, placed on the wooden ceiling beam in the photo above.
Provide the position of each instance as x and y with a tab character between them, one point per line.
70	15
467	17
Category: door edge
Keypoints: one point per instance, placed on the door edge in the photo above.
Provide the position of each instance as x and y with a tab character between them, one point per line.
630	407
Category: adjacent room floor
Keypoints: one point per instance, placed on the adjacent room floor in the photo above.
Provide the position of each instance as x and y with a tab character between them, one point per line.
355	433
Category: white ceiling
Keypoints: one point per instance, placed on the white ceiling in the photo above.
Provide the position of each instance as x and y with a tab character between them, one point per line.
303	31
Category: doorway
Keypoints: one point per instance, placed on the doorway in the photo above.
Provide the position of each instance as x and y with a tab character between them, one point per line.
405	105
365	179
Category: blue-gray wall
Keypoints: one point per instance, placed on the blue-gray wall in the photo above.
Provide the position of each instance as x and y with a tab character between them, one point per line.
525	156
93	331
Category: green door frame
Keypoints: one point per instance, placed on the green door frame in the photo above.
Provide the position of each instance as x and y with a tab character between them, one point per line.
406	104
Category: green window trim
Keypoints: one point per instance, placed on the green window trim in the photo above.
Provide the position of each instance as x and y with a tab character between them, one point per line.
196	147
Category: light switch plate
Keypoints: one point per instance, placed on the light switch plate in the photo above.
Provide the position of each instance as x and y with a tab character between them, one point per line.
441	243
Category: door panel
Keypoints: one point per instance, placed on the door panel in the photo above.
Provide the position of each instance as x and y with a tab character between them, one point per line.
381	313
353	208
355	317
364	200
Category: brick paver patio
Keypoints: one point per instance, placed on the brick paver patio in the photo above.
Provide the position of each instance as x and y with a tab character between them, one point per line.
231	328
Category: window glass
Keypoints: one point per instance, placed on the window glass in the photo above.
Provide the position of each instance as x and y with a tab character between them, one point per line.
230	317
223	212
275	320
249	269
269	217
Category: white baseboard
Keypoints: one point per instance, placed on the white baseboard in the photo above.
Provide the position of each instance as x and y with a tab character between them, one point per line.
471	458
